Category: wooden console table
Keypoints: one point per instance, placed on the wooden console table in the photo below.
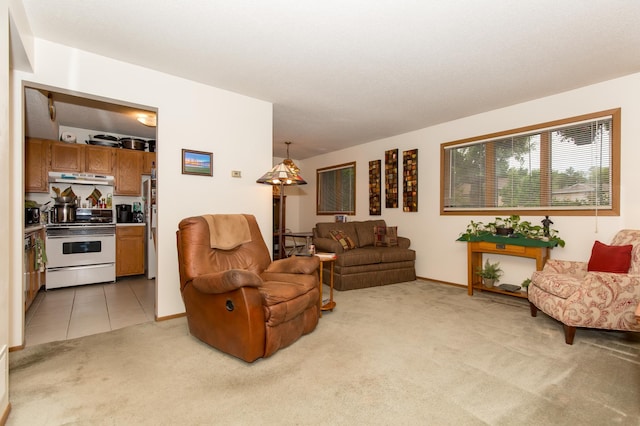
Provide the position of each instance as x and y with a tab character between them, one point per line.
475	249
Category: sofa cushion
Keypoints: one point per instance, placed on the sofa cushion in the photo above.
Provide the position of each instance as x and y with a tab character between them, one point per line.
385	236
559	285
360	256
364	229
283	301
345	241
323	229
396	254
605	258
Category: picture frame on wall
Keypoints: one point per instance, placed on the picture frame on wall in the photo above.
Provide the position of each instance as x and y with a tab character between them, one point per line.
375	199
391	178
410	180
198	163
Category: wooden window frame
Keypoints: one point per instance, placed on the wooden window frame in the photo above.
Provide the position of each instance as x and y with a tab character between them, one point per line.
545	170
338	190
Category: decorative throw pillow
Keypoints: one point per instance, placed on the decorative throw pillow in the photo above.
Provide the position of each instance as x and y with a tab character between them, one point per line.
345	241
385	236
605	258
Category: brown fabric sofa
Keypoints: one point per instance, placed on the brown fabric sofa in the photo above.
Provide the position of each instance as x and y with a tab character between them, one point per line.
365	265
236	299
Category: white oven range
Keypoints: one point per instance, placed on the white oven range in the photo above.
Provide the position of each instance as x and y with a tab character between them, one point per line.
80	253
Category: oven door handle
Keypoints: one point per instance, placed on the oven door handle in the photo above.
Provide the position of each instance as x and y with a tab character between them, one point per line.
73	268
57	237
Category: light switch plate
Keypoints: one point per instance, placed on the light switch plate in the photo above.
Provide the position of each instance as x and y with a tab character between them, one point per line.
236	173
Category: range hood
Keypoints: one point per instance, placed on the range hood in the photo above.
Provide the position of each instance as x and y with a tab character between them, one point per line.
81	179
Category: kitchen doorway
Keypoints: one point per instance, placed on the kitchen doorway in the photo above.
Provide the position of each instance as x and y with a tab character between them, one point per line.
59	116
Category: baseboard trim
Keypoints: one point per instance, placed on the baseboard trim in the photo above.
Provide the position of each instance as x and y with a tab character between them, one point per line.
169	317
442	282
5	415
16	348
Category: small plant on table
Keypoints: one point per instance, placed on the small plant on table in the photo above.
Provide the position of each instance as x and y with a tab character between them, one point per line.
490	273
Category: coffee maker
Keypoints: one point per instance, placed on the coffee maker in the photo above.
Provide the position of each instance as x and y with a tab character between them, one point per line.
124	213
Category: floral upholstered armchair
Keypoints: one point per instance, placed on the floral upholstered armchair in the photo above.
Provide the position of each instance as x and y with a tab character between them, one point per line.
603	293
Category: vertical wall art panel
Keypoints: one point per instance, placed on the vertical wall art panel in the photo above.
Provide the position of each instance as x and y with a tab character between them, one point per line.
391	178
375	188
410	180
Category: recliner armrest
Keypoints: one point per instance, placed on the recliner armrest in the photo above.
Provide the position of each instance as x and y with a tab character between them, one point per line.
225	281
295	265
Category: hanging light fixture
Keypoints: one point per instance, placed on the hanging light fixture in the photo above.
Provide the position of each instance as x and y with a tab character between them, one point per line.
282	175
289	162
148	120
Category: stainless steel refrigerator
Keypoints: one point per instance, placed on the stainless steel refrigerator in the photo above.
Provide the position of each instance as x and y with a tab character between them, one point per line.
150	218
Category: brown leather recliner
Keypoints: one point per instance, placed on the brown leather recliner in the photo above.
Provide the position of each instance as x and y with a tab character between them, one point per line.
236	299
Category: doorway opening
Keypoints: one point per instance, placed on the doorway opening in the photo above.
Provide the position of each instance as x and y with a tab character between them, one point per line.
62	121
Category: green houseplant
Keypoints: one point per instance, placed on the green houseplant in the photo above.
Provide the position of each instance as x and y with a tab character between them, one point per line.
510	226
490	273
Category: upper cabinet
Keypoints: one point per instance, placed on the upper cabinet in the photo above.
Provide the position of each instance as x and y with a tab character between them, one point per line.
128	172
99	160
36	162
128	166
149	161
67	157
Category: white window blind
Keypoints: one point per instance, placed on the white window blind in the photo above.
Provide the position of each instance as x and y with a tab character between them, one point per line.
562	167
336	189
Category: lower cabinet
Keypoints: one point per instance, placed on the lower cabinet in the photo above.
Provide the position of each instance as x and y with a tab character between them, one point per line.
130	242
34	275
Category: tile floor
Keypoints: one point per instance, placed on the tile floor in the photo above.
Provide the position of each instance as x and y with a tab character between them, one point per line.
71	312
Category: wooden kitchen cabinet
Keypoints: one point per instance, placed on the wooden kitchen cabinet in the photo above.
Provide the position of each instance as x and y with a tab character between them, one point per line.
36	177
128	172
99	160
149	160
67	157
78	158
34	277
130	250
43	156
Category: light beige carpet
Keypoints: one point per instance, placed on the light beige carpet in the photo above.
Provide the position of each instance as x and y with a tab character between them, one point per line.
410	353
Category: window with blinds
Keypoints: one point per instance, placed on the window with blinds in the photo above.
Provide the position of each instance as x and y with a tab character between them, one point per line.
336	189
569	166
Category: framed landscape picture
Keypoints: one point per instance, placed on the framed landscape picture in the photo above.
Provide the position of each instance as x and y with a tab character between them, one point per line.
197	163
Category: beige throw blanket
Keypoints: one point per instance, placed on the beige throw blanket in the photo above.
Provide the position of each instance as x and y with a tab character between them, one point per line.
227	231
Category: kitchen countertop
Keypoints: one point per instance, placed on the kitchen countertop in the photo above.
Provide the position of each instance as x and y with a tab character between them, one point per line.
32	228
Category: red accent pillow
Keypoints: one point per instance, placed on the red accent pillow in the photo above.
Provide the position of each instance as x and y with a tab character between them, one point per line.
606	258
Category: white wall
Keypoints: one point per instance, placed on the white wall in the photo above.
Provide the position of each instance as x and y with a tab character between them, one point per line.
237	129
5	260
433	236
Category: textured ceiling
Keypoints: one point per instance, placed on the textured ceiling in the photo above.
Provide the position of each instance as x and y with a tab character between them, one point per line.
341	73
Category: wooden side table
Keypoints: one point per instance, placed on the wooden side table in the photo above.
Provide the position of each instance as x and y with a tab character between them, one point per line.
475	249
331	259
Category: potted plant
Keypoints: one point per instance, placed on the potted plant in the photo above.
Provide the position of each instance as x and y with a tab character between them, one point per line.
511	226
490	273
507	225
